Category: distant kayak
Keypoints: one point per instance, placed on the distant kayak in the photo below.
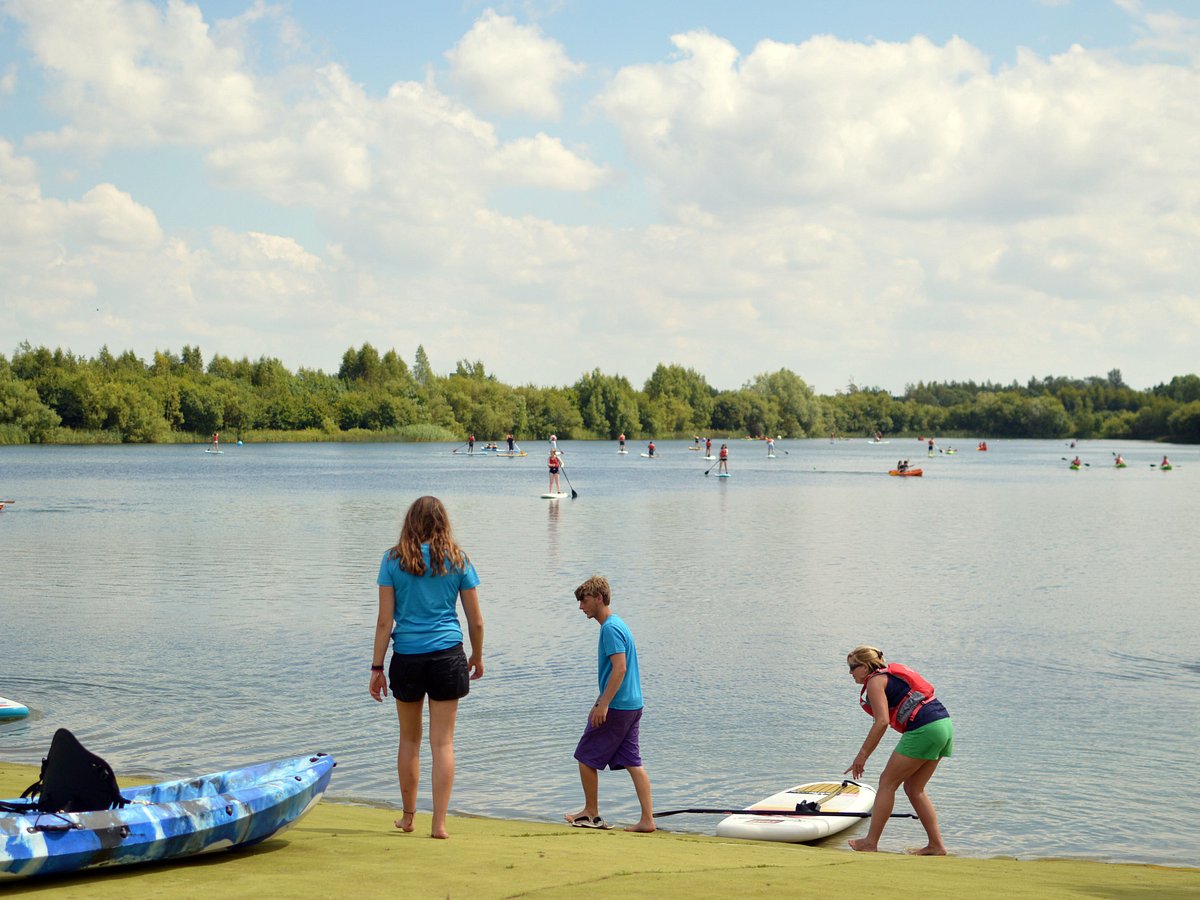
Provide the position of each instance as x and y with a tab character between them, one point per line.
1167	468
1074	468
511	453
906	472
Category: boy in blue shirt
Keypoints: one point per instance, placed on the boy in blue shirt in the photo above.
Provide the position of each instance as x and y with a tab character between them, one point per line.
611	735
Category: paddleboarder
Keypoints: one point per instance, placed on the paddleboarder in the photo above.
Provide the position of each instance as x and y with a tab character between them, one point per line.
723	462
421	581
510	440
770	447
610	738
898	696
708	448
650	449
470	444
621	438
554	464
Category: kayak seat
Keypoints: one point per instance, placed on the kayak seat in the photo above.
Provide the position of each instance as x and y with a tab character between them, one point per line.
73	779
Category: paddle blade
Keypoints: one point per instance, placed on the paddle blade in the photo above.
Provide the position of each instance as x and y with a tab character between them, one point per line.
574	494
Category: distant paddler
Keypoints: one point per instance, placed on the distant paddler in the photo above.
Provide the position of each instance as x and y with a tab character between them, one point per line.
554	464
723	463
650	449
510	440
621	438
770	448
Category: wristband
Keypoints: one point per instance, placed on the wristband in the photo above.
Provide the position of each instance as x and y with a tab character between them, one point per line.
376	668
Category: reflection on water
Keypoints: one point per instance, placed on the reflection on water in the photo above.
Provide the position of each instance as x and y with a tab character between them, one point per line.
183	612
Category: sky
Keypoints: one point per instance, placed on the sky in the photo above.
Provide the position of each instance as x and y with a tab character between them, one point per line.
869	192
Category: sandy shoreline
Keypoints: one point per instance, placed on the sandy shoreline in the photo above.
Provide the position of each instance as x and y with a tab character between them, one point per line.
341	850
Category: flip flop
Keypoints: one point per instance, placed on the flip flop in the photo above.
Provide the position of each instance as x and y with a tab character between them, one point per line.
589	822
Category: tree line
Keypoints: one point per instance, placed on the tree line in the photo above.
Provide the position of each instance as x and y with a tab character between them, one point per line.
55	396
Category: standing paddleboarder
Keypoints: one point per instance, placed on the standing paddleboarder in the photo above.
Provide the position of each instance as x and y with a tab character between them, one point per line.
554	465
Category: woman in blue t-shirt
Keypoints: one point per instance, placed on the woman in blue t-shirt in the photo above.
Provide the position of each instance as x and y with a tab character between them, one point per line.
421	579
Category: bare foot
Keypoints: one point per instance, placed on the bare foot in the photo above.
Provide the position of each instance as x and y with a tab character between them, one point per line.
642	827
405	822
442	835
583	813
861	845
926	851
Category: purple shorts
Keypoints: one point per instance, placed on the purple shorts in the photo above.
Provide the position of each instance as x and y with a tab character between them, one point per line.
614	744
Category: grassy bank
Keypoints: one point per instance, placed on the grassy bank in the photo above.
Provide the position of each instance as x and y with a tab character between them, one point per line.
353	851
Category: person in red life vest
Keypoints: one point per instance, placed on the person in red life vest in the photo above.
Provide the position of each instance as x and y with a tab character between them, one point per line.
1076	462
471	443
621	438
896	695
650	449
554	465
1165	464
707	448
723	464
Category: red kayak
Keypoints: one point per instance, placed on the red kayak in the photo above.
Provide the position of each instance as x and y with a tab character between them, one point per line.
916	472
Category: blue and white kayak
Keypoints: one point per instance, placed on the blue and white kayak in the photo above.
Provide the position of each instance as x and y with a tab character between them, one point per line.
11	709
173	819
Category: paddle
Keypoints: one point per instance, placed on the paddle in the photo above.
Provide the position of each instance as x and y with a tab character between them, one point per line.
713	466
563	469
456	449
1064	459
776	812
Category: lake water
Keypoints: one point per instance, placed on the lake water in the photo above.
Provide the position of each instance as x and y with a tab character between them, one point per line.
185	612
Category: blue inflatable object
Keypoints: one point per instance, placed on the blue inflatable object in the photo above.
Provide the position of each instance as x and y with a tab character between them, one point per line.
224	810
11	709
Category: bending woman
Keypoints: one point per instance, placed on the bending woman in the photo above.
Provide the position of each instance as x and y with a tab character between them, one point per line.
420	580
896	695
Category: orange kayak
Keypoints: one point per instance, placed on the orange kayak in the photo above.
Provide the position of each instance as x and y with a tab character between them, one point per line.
905	472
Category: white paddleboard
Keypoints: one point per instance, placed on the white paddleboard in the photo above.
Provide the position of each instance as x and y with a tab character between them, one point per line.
709	457
623	452
557	496
878	442
722	474
11	709
833	796
648	456
211	450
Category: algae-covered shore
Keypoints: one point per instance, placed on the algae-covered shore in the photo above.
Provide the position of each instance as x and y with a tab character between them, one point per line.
341	850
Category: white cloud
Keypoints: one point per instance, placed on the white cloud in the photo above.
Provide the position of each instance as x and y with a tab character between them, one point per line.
509	69
135	73
8	80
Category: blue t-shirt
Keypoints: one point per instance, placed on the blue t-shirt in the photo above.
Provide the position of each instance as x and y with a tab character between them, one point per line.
615	638
426	611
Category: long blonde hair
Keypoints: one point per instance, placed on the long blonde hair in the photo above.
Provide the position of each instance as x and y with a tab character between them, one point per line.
427	522
871	657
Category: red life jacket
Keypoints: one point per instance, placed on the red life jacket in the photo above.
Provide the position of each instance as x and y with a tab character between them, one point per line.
919	693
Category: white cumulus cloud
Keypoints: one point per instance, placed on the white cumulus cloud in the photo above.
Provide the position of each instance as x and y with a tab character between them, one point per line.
510	69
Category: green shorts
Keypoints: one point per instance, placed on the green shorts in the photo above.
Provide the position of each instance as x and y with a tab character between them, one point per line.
932	741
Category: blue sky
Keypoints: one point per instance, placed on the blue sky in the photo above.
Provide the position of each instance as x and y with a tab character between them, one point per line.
871	191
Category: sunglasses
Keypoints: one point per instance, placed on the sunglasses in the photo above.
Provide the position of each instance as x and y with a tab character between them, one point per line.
856	666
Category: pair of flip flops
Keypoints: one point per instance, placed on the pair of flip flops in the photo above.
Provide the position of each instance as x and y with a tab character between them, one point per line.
589	822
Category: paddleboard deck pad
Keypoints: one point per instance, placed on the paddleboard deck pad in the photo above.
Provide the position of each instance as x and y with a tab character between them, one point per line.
832	796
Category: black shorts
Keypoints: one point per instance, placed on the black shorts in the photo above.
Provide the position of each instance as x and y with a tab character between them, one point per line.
442	674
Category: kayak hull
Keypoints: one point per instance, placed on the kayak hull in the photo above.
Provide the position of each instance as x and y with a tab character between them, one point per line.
224	810
907	473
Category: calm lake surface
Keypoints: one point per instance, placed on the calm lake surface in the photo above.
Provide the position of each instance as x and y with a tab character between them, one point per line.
185	612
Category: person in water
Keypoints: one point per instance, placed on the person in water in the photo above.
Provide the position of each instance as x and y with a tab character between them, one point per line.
510	443
1165	463
470	443
421	581
554	464
1120	461
770	446
723	462
621	438
896	695
708	448
902	465
650	449
611	736
931	445
1076	462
